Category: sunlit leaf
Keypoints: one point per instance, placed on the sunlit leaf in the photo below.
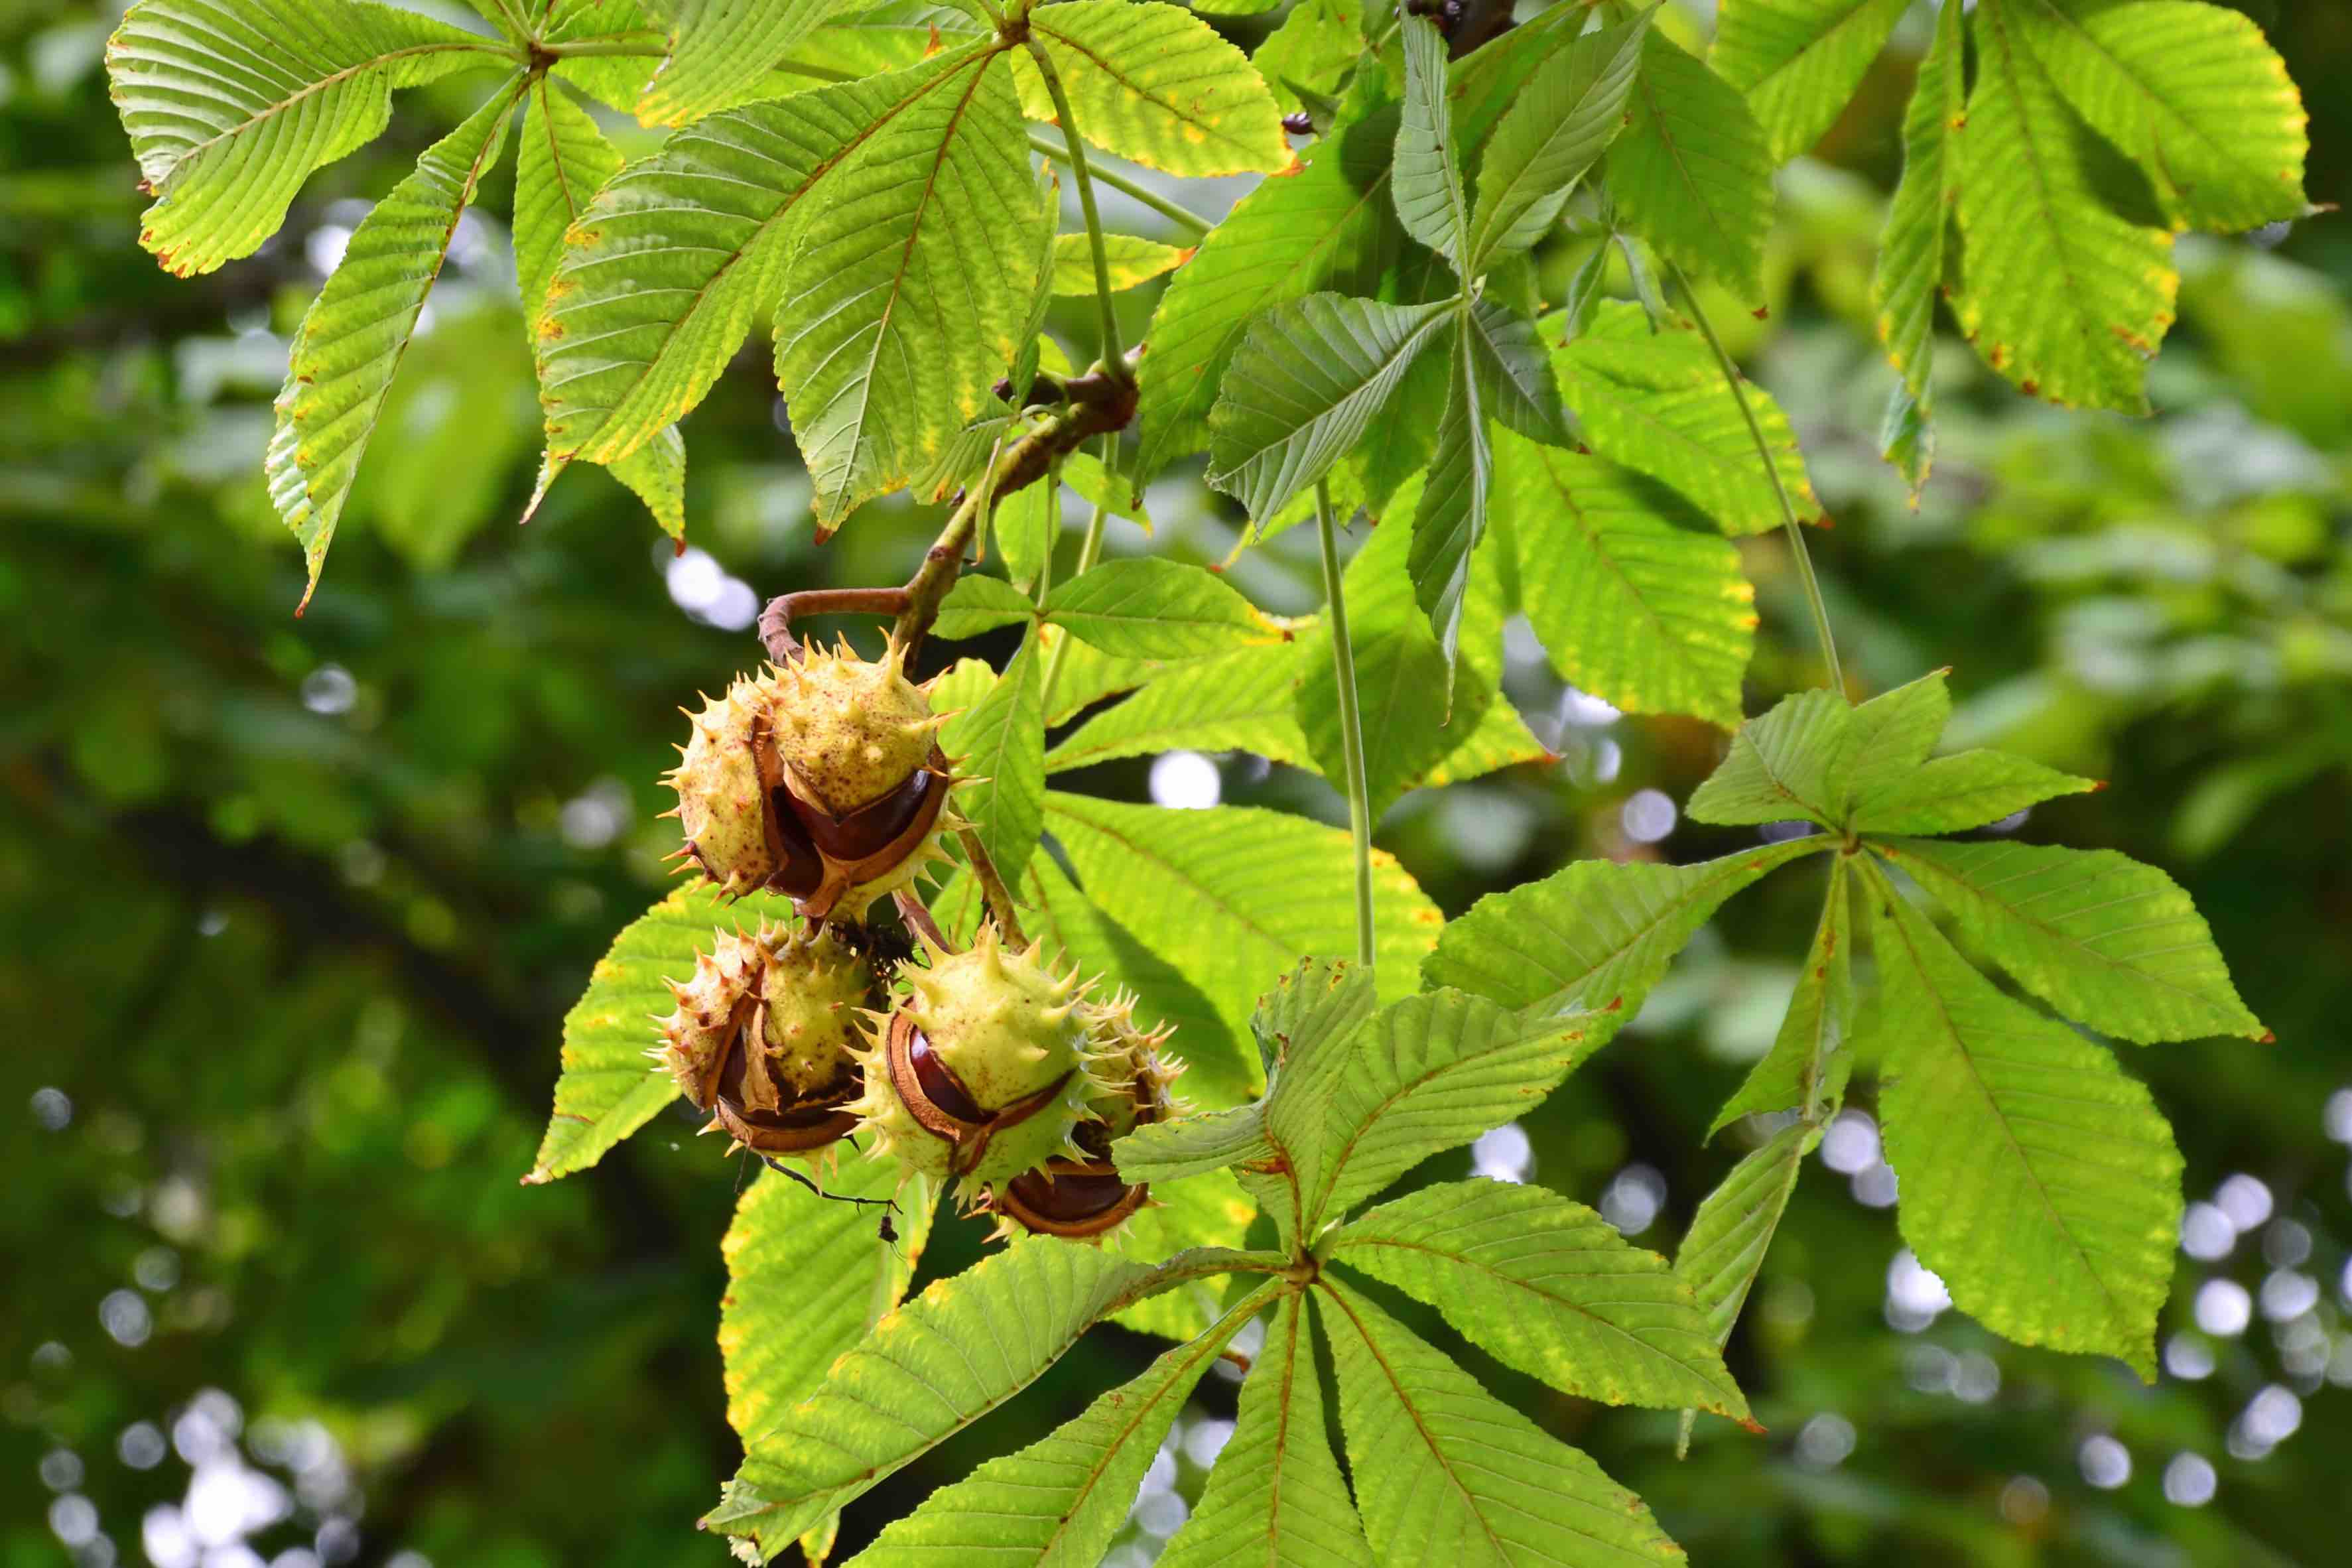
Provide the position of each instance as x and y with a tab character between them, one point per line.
1234	702
1911	250
1806	1068
720	48
1691	173
1000	743
1782	767
1154	83
1569	112
1132	259
1151	607
1451	520
1953	794
1798	61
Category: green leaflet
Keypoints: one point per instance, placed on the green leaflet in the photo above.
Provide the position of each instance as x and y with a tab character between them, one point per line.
1636	597
608	1088
1798	61
1724	1250
807	1279
2039	1181
1452	517
1151	607
1657	403
718	48
1691	173
230	104
348	345
1275	1496
2192	93
1312	52
1515	382
978	605
1061	1499
1550	1289
1885	739
1426	179
1304	386
1805	1068
1782	767
1953	794
900	310
1194	1145
1911	252
1240	700
1569	112
2106	940
2061	292
1156	84
1234	894
1133	260
1447	1474
1000	743
1595	935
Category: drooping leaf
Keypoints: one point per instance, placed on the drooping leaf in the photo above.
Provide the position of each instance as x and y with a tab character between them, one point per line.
2106	940
1637	598
1235	701
1550	1289
1426	183
1806	1068
1658	404
977	605
1886	739
1569	112
1306	382
1233	894
1952	794
1447	1473
1060	1500
901	308
2039	1182
609	1089
1515	382
1275	1497
563	160
230	104
2061	292
1691	173
1911	250
720	47
1782	767
1151	607
1133	260
1154	83
1000	743
1798	61
1595	935
1723	1249
1452	517
2192	93
348	345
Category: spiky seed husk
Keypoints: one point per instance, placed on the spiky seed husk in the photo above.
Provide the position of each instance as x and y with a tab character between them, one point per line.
713	1005
813	994
721	799
849	730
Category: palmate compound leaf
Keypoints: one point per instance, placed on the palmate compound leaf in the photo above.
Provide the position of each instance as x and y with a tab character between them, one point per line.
230	104
2192	92
718	48
1691	173
1059	1502
609	1089
1446	1473
1156	84
1276	1498
2106	940
1304	386
1151	607
1911	250
1233	894
1550	1289
929	1370
2065	287
1635	596
348	345
1426	179
2039	1182
1798	61
1657	403
1595	935
1569	112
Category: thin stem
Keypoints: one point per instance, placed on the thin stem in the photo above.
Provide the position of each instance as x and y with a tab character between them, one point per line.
1114	358
653	48
1351	724
1191	223
1089	551
1796	529
992	888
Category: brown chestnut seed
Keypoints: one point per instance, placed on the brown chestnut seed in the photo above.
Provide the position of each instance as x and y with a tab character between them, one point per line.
793	1132
872	828
939	1085
1069	1200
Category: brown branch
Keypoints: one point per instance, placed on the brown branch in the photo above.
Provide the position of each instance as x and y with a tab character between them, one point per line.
776	620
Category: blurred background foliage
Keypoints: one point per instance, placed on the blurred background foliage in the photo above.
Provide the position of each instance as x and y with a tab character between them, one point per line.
289	910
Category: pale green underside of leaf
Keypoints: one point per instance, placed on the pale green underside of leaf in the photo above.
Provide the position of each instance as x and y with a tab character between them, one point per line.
1595	935
1133	259
1447	1474
348	345
564	160
1798	61
2039	1182
2061	293
230	104
1550	1289
1512	368
1426	181
1235	895
1308	380
1635	596
720	48
1569	112
609	1085
1691	173
1156	84
1151	607
1805	1069
1658	404
1911	251
1059	1502
998	743
901	308
1450	520
806	1279
1276	1499
1951	794
927	1371
2106	940
2192	93
1782	767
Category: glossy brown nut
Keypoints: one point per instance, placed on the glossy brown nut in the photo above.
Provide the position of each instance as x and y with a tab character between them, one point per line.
926	1086
872	828
1070	1200
793	1132
923	806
